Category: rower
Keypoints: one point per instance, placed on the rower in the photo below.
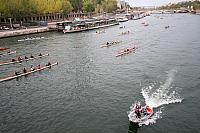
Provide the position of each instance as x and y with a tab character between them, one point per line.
13	60
32	68
26	57
40	54
38	67
17	73
20	58
24	70
48	64
31	56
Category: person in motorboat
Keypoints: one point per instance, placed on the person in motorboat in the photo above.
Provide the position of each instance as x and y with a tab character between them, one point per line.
24	70
137	111
148	110
143	111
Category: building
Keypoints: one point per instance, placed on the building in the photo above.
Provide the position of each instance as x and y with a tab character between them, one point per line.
122	4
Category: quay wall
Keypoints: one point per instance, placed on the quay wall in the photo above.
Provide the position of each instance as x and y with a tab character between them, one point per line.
27	31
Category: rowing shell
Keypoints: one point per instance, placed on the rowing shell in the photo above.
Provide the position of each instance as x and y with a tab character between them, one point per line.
7	63
110	44
127	52
2	49
29	72
12	52
30	39
124	33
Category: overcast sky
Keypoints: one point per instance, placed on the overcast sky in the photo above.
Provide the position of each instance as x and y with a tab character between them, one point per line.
150	2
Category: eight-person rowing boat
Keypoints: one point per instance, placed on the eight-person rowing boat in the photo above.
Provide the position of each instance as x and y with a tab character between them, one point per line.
108	44
126	51
30	39
8	53
19	59
125	33
2	48
27	72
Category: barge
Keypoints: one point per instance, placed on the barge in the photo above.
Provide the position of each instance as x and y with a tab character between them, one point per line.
85	25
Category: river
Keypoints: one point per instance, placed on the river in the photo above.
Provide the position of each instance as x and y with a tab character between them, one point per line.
91	90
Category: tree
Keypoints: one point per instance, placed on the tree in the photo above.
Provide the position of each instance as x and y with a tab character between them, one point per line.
21	8
88	6
66	6
99	8
109	5
77	4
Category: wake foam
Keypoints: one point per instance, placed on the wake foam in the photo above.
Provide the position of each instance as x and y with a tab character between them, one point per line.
158	94
162	95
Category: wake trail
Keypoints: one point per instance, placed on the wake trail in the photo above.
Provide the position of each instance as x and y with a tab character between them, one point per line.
163	94
158	94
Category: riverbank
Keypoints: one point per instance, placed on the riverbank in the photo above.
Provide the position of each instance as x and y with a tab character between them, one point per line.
52	26
12	33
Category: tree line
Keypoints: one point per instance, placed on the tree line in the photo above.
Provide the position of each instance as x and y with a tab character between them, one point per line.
21	8
195	4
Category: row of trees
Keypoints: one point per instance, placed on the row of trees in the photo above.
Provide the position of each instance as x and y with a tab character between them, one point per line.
20	8
194	4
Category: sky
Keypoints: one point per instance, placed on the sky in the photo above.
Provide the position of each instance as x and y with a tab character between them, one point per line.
137	3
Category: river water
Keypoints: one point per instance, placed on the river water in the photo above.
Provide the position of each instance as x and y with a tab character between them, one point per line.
91	90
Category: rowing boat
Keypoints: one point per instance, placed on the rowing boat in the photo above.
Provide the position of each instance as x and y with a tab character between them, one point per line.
127	52
110	44
2	48
125	33
30	39
13	62
29	72
8	53
99	32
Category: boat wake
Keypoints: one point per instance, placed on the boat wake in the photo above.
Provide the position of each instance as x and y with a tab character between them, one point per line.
158	94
